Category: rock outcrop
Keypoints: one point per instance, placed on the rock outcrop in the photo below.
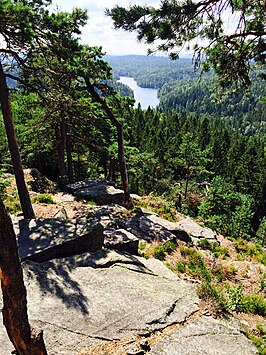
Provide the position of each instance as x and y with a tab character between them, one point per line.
46	239
205	336
100	191
92	299
87	287
154	228
104	296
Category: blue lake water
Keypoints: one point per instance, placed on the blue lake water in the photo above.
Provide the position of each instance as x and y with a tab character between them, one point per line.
146	97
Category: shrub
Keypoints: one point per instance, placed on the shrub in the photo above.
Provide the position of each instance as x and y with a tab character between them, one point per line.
248	303
12	204
44	198
255	304
253	250
207	290
261	232
226	210
259	342
3	184
263	283
196	265
169	246
142	245
214	248
181	266
158	252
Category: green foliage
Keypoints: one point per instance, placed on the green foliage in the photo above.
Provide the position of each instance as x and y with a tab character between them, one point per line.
181	266
177	24
196	266
208	290
263	283
44	198
142	245
254	250
91	203
259	342
232	299
236	299
261	232
3	184
227	211
214	248
255	304
12	204
169	246
158	252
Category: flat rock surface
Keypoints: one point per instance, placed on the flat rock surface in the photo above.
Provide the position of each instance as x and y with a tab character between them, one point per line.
186	229
44	239
100	191
84	299
205	336
72	188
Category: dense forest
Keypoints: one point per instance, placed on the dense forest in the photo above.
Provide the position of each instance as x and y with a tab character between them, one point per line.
196	136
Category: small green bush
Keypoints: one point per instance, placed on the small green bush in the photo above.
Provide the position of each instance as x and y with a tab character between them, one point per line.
205	244
142	245
43	198
214	248
248	303
255	304
12	205
263	283
181	266
261	258
159	252
3	184
207	290
236	299
169	246
196	265
253	250
259	342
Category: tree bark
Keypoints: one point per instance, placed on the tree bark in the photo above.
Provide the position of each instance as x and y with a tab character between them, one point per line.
120	138
70	170
26	341
13	148
61	144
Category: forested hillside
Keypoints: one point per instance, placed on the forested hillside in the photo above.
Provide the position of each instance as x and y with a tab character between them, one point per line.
151	71
198	136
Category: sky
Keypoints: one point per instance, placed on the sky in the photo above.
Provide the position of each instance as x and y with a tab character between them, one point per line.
100	31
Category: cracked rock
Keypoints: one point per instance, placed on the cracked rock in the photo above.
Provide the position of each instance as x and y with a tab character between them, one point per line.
205	336
99	296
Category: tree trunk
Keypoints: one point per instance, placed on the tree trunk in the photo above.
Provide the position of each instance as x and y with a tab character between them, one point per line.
70	170
61	144
120	138
25	340
13	148
188	174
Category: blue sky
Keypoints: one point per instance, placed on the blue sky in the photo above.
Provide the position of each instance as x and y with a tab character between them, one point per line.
100	31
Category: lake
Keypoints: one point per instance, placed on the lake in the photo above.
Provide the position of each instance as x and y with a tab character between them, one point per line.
146	97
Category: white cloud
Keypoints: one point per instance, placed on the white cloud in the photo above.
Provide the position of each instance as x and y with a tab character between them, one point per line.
100	32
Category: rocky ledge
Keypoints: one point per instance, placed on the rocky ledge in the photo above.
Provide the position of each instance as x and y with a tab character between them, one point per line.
92	294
